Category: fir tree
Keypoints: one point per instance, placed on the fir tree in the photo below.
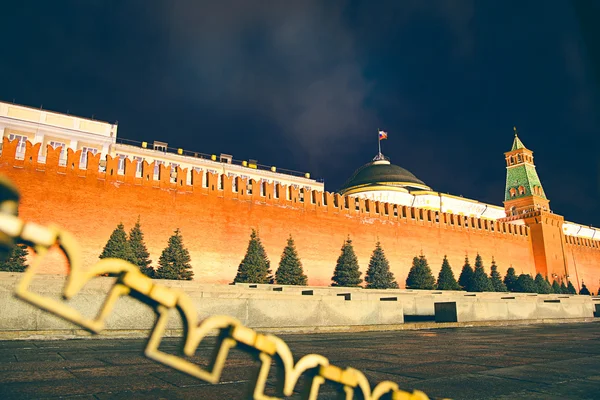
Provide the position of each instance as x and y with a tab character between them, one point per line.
496	279
290	270
346	271
174	262
140	252
510	280
571	288
465	279
584	290
378	274
525	284
563	288
16	260
118	246
542	286
420	276
556	287
255	267
481	281
446	280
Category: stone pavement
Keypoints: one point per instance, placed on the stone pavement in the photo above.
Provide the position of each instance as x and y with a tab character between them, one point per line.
560	361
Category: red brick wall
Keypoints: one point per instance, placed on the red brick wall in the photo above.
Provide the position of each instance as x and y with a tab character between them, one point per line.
216	223
583	258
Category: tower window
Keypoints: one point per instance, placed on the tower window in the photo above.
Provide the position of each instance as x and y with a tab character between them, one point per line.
521	190
513	192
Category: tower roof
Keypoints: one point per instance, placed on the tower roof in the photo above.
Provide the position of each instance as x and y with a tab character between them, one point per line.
517	144
380	173
521	177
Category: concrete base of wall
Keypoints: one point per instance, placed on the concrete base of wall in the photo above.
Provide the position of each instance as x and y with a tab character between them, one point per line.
286	309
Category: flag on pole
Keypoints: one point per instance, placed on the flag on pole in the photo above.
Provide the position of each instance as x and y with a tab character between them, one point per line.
382	135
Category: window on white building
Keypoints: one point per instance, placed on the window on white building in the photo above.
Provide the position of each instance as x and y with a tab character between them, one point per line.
174	172
63	152
56	145
138	166
84	156
121	168
157	165
21	145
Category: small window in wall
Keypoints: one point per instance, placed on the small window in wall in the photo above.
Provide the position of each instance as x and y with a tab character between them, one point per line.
249	188
84	156
121	167
234	183
412	213
356	204
276	187
21	145
313	198
395	209
324	198
301	196
519	159
288	193
346	203
139	164
367	205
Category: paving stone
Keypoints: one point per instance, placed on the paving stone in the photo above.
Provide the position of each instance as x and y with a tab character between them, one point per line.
538	373
226	391
471	387
538	361
34	376
434	370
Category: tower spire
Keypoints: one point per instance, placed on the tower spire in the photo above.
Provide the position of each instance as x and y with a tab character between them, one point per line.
517	144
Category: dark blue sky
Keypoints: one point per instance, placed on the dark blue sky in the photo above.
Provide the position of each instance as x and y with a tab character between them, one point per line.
305	85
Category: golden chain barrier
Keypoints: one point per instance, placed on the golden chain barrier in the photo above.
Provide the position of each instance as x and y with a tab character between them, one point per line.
131	282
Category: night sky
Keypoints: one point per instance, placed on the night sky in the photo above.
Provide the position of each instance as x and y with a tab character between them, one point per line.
305	85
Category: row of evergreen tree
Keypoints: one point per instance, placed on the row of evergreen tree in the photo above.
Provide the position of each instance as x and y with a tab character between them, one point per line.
255	267
174	263
476	279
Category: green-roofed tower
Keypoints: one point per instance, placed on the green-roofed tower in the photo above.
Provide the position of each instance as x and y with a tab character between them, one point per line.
526	204
523	192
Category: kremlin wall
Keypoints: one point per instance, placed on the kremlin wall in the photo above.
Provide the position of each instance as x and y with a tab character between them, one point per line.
89	192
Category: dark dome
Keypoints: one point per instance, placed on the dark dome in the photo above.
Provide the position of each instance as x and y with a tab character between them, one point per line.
382	173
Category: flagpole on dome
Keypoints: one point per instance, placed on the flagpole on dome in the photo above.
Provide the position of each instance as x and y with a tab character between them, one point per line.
380	135
379	142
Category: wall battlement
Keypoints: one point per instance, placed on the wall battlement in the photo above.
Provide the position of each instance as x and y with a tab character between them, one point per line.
582	242
260	192
216	212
